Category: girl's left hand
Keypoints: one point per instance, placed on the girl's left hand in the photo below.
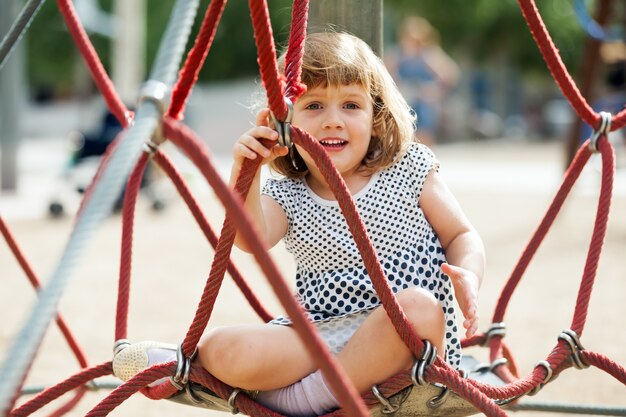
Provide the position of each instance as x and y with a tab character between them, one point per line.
465	284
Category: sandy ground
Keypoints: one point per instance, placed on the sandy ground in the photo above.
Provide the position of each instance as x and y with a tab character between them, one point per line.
504	189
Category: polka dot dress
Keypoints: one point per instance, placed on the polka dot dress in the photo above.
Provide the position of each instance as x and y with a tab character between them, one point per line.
331	281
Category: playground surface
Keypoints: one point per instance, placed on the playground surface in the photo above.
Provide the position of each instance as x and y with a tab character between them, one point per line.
504	188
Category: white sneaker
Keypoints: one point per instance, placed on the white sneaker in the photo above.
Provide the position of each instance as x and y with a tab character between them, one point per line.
135	357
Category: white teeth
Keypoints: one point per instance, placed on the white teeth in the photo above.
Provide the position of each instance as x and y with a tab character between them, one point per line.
332	142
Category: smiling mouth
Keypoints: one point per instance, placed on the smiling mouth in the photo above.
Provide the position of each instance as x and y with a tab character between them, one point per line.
333	143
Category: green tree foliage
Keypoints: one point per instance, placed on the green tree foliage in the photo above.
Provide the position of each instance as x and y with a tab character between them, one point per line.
478	29
487	29
54	61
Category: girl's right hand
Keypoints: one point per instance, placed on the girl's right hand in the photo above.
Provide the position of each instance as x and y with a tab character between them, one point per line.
248	145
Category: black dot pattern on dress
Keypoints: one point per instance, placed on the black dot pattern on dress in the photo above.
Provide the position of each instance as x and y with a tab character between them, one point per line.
331	280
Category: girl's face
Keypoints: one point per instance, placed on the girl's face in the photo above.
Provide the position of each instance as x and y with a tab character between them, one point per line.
341	119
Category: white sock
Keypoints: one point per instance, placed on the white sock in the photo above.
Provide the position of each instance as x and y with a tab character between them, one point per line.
306	398
160	355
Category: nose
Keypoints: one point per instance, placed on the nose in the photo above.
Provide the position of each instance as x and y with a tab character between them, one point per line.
333	119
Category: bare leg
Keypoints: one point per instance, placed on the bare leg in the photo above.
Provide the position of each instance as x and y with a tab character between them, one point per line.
255	357
374	353
377	345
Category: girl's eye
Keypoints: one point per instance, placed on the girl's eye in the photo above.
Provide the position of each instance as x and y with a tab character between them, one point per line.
313	106
351	106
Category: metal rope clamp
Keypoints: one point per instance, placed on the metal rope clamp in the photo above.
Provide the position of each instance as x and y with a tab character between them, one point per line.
603	130
284	127
119	345
155	92
573	340
183	368
438	400
429	354
496	329
231	401
389	408
548	377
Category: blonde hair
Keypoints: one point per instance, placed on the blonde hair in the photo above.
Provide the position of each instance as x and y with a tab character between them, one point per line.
333	59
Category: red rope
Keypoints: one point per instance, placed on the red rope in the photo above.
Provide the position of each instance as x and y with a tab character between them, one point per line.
166	164
98	73
361	238
597	239
196	150
268	67
554	62
60	321
559	358
245	404
558	70
607	365
295	50
32	277
71	404
128	220
75	381
130	387
195	59
569	180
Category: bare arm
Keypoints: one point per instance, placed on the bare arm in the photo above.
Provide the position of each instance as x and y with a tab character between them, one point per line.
266	214
463	246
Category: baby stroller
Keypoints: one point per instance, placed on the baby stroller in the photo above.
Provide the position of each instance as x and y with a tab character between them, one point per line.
87	151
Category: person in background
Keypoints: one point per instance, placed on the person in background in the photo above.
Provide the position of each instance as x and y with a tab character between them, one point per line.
424	73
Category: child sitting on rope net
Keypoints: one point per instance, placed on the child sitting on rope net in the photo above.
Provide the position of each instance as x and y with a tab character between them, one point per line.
428	249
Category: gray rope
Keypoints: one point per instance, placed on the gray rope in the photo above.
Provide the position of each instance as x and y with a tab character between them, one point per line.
18	29
94	385
600	410
97	208
174	41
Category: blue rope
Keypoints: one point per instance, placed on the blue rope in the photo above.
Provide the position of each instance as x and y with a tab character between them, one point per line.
592	27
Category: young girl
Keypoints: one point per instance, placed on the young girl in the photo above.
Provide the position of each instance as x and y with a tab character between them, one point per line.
427	248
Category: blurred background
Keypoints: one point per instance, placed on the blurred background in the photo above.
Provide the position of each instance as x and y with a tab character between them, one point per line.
502	88
485	101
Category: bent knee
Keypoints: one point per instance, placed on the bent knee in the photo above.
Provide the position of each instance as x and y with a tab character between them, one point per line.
220	351
423	311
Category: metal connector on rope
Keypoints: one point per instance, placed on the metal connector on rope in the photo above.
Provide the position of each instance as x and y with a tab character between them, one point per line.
438	400
496	329
119	345
387	407
155	92
573	340
603	130
231	401
548	377
183	368
429	354
283	127
498	362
